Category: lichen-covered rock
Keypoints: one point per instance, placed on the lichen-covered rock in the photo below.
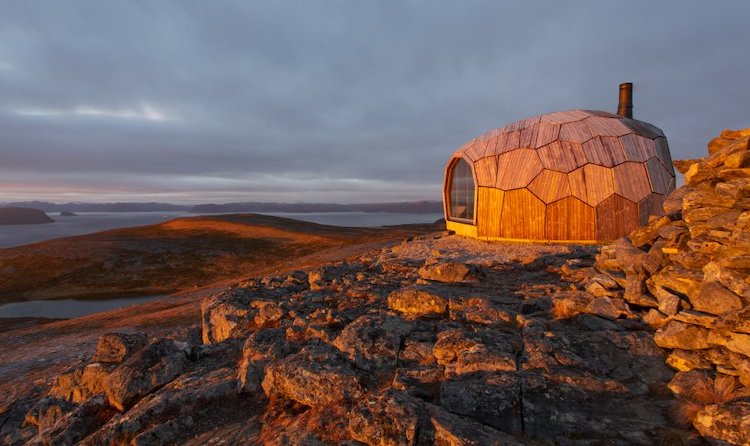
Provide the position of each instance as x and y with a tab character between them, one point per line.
462	352
318	375
686	360
390	419
373	341
736	342
683	336
726	422
117	347
150	368
168	415
491	397
81	385
714	298
66	425
226	315
452	430
609	308
259	349
448	272
417	301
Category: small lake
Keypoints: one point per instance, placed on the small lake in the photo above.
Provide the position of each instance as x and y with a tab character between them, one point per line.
68	308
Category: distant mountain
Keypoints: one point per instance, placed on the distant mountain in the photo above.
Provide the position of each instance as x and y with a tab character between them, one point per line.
412	207
100	207
22	216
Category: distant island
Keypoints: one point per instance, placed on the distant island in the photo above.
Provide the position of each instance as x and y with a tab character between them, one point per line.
411	207
67	214
23	216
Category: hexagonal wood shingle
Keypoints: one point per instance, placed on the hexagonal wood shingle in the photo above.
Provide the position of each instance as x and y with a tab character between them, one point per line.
658	176
517	168
631	181
577	132
607	126
523	215
570	219
562	156
615	217
638	148
550	186
486	171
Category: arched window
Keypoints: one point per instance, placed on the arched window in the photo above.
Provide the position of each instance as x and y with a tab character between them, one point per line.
461	192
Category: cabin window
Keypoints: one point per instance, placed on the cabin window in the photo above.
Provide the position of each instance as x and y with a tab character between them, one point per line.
461	195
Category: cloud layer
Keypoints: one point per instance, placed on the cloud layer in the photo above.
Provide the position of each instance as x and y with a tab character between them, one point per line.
342	101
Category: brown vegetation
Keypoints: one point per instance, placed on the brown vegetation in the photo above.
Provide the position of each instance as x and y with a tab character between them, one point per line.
171	256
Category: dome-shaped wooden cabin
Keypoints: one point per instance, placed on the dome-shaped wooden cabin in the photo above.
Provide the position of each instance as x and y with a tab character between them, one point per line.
577	175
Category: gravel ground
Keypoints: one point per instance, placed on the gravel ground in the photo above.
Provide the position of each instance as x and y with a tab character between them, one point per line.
464	249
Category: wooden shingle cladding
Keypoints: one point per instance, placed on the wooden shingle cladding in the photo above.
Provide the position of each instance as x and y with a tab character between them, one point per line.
578	175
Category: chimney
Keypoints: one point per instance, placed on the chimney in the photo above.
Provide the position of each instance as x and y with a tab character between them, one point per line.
625	108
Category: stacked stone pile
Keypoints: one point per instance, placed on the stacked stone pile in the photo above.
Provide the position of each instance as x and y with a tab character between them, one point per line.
687	274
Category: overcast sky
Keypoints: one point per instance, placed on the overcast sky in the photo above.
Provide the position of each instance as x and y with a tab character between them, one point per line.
336	101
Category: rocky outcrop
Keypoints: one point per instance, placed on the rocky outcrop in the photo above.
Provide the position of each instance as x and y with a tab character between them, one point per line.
370	351
150	368
687	274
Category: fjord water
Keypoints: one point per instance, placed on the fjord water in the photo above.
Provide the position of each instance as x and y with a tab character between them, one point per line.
88	222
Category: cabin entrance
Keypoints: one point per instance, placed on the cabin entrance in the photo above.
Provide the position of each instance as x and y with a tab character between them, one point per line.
461	193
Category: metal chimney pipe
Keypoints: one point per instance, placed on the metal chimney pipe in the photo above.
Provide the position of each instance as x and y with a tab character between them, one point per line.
625	108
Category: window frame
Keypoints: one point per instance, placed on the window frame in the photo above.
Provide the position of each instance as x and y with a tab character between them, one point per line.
447	191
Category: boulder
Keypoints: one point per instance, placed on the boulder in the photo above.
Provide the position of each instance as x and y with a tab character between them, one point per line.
646	235
373	341
736	342
687	360
171	414
680	335
714	298
390	419
462	352
481	311
259	349
267	313
48	411
149	369
71	426
609	308
226	315
117	347
422	382
81	385
736	321
447	272
492	398
728	422
570	303
452	430
316	376
417	301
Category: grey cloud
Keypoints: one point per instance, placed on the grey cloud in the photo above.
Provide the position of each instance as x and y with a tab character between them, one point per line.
340	100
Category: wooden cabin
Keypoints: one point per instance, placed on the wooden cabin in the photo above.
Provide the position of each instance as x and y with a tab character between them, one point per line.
578	176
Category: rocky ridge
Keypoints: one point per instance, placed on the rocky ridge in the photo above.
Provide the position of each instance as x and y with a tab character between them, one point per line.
687	274
438	340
